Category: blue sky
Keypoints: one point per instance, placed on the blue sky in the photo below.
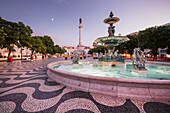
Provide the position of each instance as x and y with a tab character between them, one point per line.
134	15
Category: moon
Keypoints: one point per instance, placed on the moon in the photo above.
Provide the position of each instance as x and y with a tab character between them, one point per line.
52	19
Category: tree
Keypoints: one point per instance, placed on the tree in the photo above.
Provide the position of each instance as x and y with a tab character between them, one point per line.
129	46
2	34
48	42
9	35
62	51
58	49
37	45
12	33
154	38
168	51
2	40
24	35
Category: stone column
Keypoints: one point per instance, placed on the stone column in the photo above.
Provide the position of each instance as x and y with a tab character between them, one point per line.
80	32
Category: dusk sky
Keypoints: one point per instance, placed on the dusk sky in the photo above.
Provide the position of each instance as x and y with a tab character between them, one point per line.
60	18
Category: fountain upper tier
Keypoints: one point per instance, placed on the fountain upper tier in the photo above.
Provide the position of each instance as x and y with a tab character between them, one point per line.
111	41
111	19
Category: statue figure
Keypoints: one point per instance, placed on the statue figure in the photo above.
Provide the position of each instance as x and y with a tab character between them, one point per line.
80	20
109	54
111	30
75	58
116	53
139	61
162	51
101	54
100	57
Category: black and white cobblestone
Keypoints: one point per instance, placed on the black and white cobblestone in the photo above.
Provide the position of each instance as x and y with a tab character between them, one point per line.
25	87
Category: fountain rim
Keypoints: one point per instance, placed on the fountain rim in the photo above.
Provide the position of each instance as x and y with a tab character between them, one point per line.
85	76
98	40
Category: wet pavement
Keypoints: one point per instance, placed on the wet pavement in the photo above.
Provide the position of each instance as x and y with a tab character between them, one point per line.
25	87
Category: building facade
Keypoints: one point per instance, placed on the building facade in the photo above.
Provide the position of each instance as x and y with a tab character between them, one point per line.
71	49
26	52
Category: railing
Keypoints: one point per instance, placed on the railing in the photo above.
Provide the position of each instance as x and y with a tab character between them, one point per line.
157	59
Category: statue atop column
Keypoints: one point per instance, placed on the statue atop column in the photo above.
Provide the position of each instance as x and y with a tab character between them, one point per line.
80	20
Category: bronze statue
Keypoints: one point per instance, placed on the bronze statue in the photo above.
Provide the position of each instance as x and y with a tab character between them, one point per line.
80	20
75	58
139	61
111	14
111	30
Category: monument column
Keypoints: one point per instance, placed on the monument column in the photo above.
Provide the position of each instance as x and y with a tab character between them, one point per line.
80	32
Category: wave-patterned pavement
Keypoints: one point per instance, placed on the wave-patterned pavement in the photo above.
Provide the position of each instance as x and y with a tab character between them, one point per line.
25	87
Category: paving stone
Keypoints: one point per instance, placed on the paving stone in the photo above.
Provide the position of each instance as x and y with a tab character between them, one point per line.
25	87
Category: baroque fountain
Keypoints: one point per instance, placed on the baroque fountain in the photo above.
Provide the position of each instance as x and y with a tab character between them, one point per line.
124	80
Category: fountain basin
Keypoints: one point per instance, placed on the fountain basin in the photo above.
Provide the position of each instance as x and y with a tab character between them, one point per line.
118	87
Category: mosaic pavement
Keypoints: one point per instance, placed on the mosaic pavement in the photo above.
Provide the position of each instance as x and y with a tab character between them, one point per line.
25	87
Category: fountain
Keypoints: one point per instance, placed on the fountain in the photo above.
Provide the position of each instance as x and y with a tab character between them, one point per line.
117	81
111	41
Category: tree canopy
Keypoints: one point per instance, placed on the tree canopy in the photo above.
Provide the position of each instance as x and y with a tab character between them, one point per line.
9	35
154	38
37	45
150	38
49	44
128	46
24	35
58	49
